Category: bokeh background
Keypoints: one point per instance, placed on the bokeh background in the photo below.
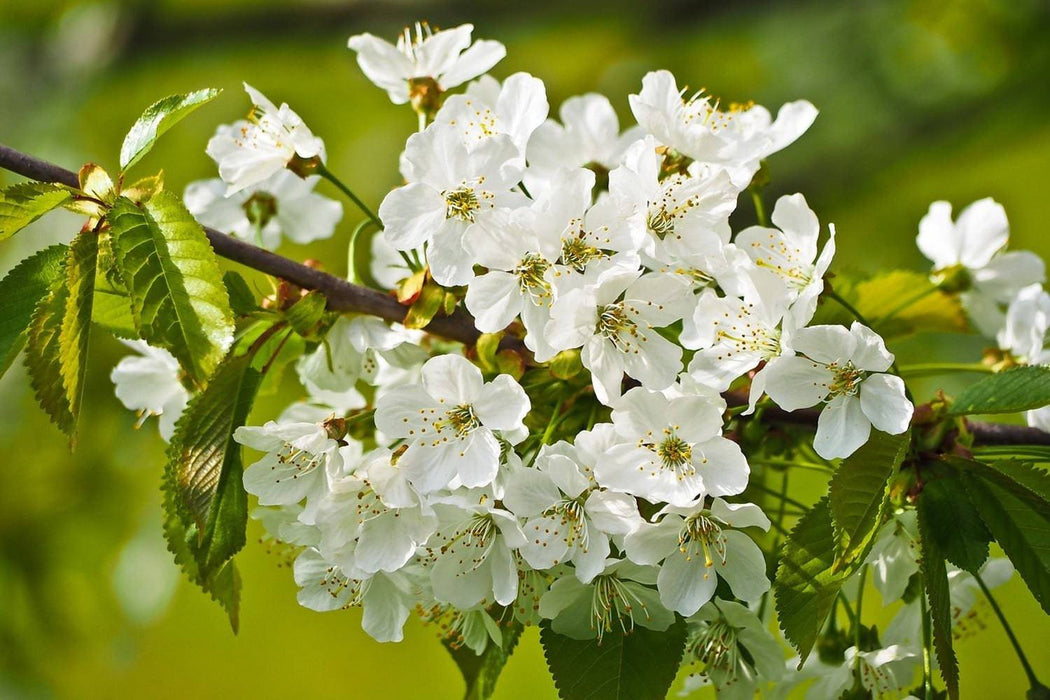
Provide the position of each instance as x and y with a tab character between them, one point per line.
919	100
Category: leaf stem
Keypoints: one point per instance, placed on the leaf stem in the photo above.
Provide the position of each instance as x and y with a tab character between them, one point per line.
760	208
351	263
928	368
1032	680
784	498
327	174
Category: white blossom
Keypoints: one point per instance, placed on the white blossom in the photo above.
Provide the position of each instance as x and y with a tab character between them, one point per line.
150	382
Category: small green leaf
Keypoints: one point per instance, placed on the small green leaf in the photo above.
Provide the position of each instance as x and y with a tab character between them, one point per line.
22	204
179	301
1012	391
807	581
158	118
858	492
431	299
305	314
953	522
636	666
935	577
242	299
58	334
481	671
22	289
1022	531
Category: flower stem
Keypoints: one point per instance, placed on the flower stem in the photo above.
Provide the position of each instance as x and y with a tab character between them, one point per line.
923	369
760	208
351	263
328	175
1032	680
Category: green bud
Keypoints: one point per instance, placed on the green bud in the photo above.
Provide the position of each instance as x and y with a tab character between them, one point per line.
566	364
952	280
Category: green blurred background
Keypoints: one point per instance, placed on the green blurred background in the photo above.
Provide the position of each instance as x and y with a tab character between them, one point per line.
919	101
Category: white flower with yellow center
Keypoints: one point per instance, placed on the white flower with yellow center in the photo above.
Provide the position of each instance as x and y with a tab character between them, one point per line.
450	188
424	59
671	449
737	137
249	152
846	370
150	383
588	136
698	545
488	108
450	423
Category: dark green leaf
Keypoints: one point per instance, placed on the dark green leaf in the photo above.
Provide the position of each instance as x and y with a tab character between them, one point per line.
178	298
22	204
22	289
1021	530
858	492
1025	481
1012	391
481	671
636	666
807	581
952	520
935	578
242	300
224	586
81	266
158	118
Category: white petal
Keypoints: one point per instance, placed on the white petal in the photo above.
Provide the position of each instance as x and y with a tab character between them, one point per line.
871	353
385	610
825	344
983	230
453	379
502	405
411	214
841	428
745	567
795	382
685	583
884	402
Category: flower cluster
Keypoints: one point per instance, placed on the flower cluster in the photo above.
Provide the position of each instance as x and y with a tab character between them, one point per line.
597	480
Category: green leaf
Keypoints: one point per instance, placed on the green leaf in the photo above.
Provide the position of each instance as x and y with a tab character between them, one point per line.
242	299
224	586
22	204
203	475
1022	531
22	289
111	309
305	314
158	118
952	520
58	334
858	492
423	310
1028	483
1012	391
636	666
481	671
179	301
807	581
935	577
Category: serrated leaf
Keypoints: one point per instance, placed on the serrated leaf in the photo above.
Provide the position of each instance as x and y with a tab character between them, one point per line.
935	578
1025	481
204	468
1011	391
305	314
636	666
22	204
158	118
21	290
179	301
242	299
807	582
481	671
58	334
857	494
1022	531
952	520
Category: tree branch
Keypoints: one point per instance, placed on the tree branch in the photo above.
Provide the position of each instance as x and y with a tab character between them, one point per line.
342	295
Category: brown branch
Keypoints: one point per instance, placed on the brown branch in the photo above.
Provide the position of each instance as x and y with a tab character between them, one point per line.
341	295
344	296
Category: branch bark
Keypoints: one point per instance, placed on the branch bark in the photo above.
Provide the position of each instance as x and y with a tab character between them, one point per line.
344	296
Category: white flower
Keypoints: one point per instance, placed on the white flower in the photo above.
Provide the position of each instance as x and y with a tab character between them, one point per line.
282	206
894	557
450	423
789	254
674	216
884	672
515	109
736	139
588	136
473	558
615	322
566	517
846	370
671	449
1024	334
737	651
450	188
446	57
695	544
300	458
385	598
620	597
971	248
149	382
249	152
